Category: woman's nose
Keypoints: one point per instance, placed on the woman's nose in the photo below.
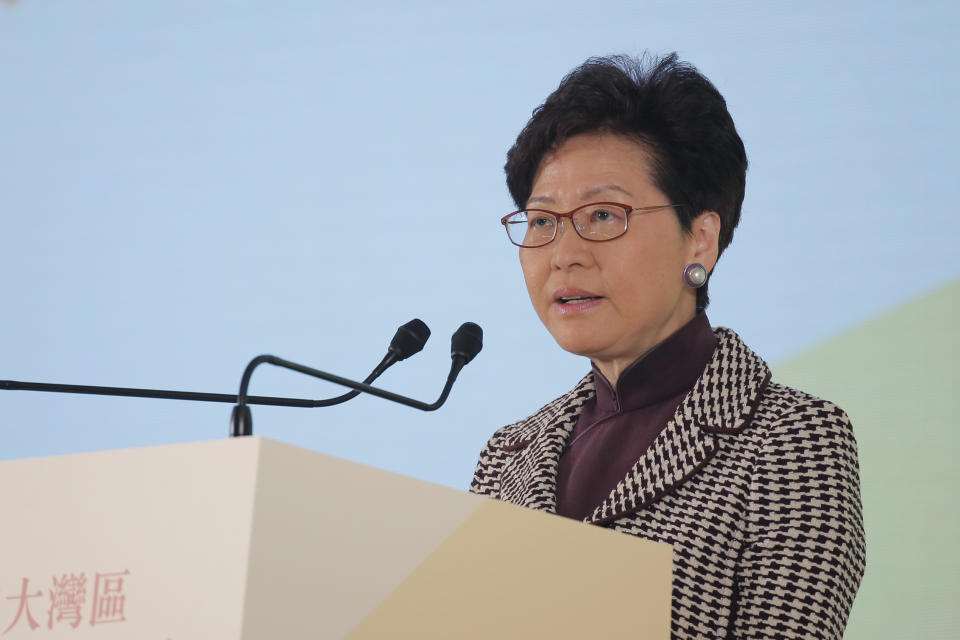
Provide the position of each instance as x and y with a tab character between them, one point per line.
569	249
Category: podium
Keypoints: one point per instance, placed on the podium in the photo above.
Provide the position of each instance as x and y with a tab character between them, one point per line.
249	538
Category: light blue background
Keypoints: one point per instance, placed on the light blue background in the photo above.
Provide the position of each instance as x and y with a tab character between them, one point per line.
171	175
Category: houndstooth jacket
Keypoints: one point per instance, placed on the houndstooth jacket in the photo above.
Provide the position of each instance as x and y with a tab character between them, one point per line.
755	485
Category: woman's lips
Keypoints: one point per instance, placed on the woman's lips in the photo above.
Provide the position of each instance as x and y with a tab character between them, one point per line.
571	300
573	306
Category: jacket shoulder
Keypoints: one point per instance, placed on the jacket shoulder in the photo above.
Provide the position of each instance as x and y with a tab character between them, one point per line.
505	440
784	410
518	433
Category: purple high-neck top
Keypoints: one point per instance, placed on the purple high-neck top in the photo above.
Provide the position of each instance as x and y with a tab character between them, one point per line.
618	425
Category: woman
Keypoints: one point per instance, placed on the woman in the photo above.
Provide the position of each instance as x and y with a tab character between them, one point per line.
629	180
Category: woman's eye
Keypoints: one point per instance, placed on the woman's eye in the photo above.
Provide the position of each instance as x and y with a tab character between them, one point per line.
540	221
605	215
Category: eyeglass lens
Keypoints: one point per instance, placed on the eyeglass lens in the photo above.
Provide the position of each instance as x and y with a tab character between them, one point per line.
592	222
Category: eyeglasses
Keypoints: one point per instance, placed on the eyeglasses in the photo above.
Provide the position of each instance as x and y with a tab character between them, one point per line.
597	222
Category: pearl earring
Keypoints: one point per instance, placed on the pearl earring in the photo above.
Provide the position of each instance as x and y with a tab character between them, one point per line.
695	275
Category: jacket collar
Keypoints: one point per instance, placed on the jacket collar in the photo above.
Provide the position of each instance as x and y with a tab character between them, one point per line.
722	401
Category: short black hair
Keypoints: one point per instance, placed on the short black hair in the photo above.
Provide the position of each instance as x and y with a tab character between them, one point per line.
668	106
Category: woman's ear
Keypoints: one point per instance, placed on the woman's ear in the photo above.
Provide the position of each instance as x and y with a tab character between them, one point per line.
705	235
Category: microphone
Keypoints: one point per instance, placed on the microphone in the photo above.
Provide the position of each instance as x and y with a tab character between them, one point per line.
465	344
409	339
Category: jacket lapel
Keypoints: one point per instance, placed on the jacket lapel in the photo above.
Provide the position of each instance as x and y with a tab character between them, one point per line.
676	454
529	475
720	402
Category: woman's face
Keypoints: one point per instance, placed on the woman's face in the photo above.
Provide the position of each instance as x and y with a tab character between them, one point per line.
628	293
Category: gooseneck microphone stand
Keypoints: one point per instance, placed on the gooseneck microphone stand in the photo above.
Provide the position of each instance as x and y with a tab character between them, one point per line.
410	338
465	344
131	392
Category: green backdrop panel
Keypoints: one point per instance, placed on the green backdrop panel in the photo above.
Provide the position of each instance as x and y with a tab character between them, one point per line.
896	376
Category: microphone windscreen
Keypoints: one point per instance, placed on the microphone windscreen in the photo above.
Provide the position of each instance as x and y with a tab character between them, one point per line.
467	341
409	339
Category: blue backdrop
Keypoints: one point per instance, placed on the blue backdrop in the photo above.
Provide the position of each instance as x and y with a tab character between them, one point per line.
172	174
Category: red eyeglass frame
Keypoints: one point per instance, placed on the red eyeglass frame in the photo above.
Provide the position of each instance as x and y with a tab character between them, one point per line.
569	214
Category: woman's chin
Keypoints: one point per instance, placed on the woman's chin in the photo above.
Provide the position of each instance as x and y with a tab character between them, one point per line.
579	346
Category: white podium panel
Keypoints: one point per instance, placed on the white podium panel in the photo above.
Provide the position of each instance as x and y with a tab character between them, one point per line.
249	538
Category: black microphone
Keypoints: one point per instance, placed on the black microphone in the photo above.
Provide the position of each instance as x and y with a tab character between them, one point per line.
409	339
465	344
